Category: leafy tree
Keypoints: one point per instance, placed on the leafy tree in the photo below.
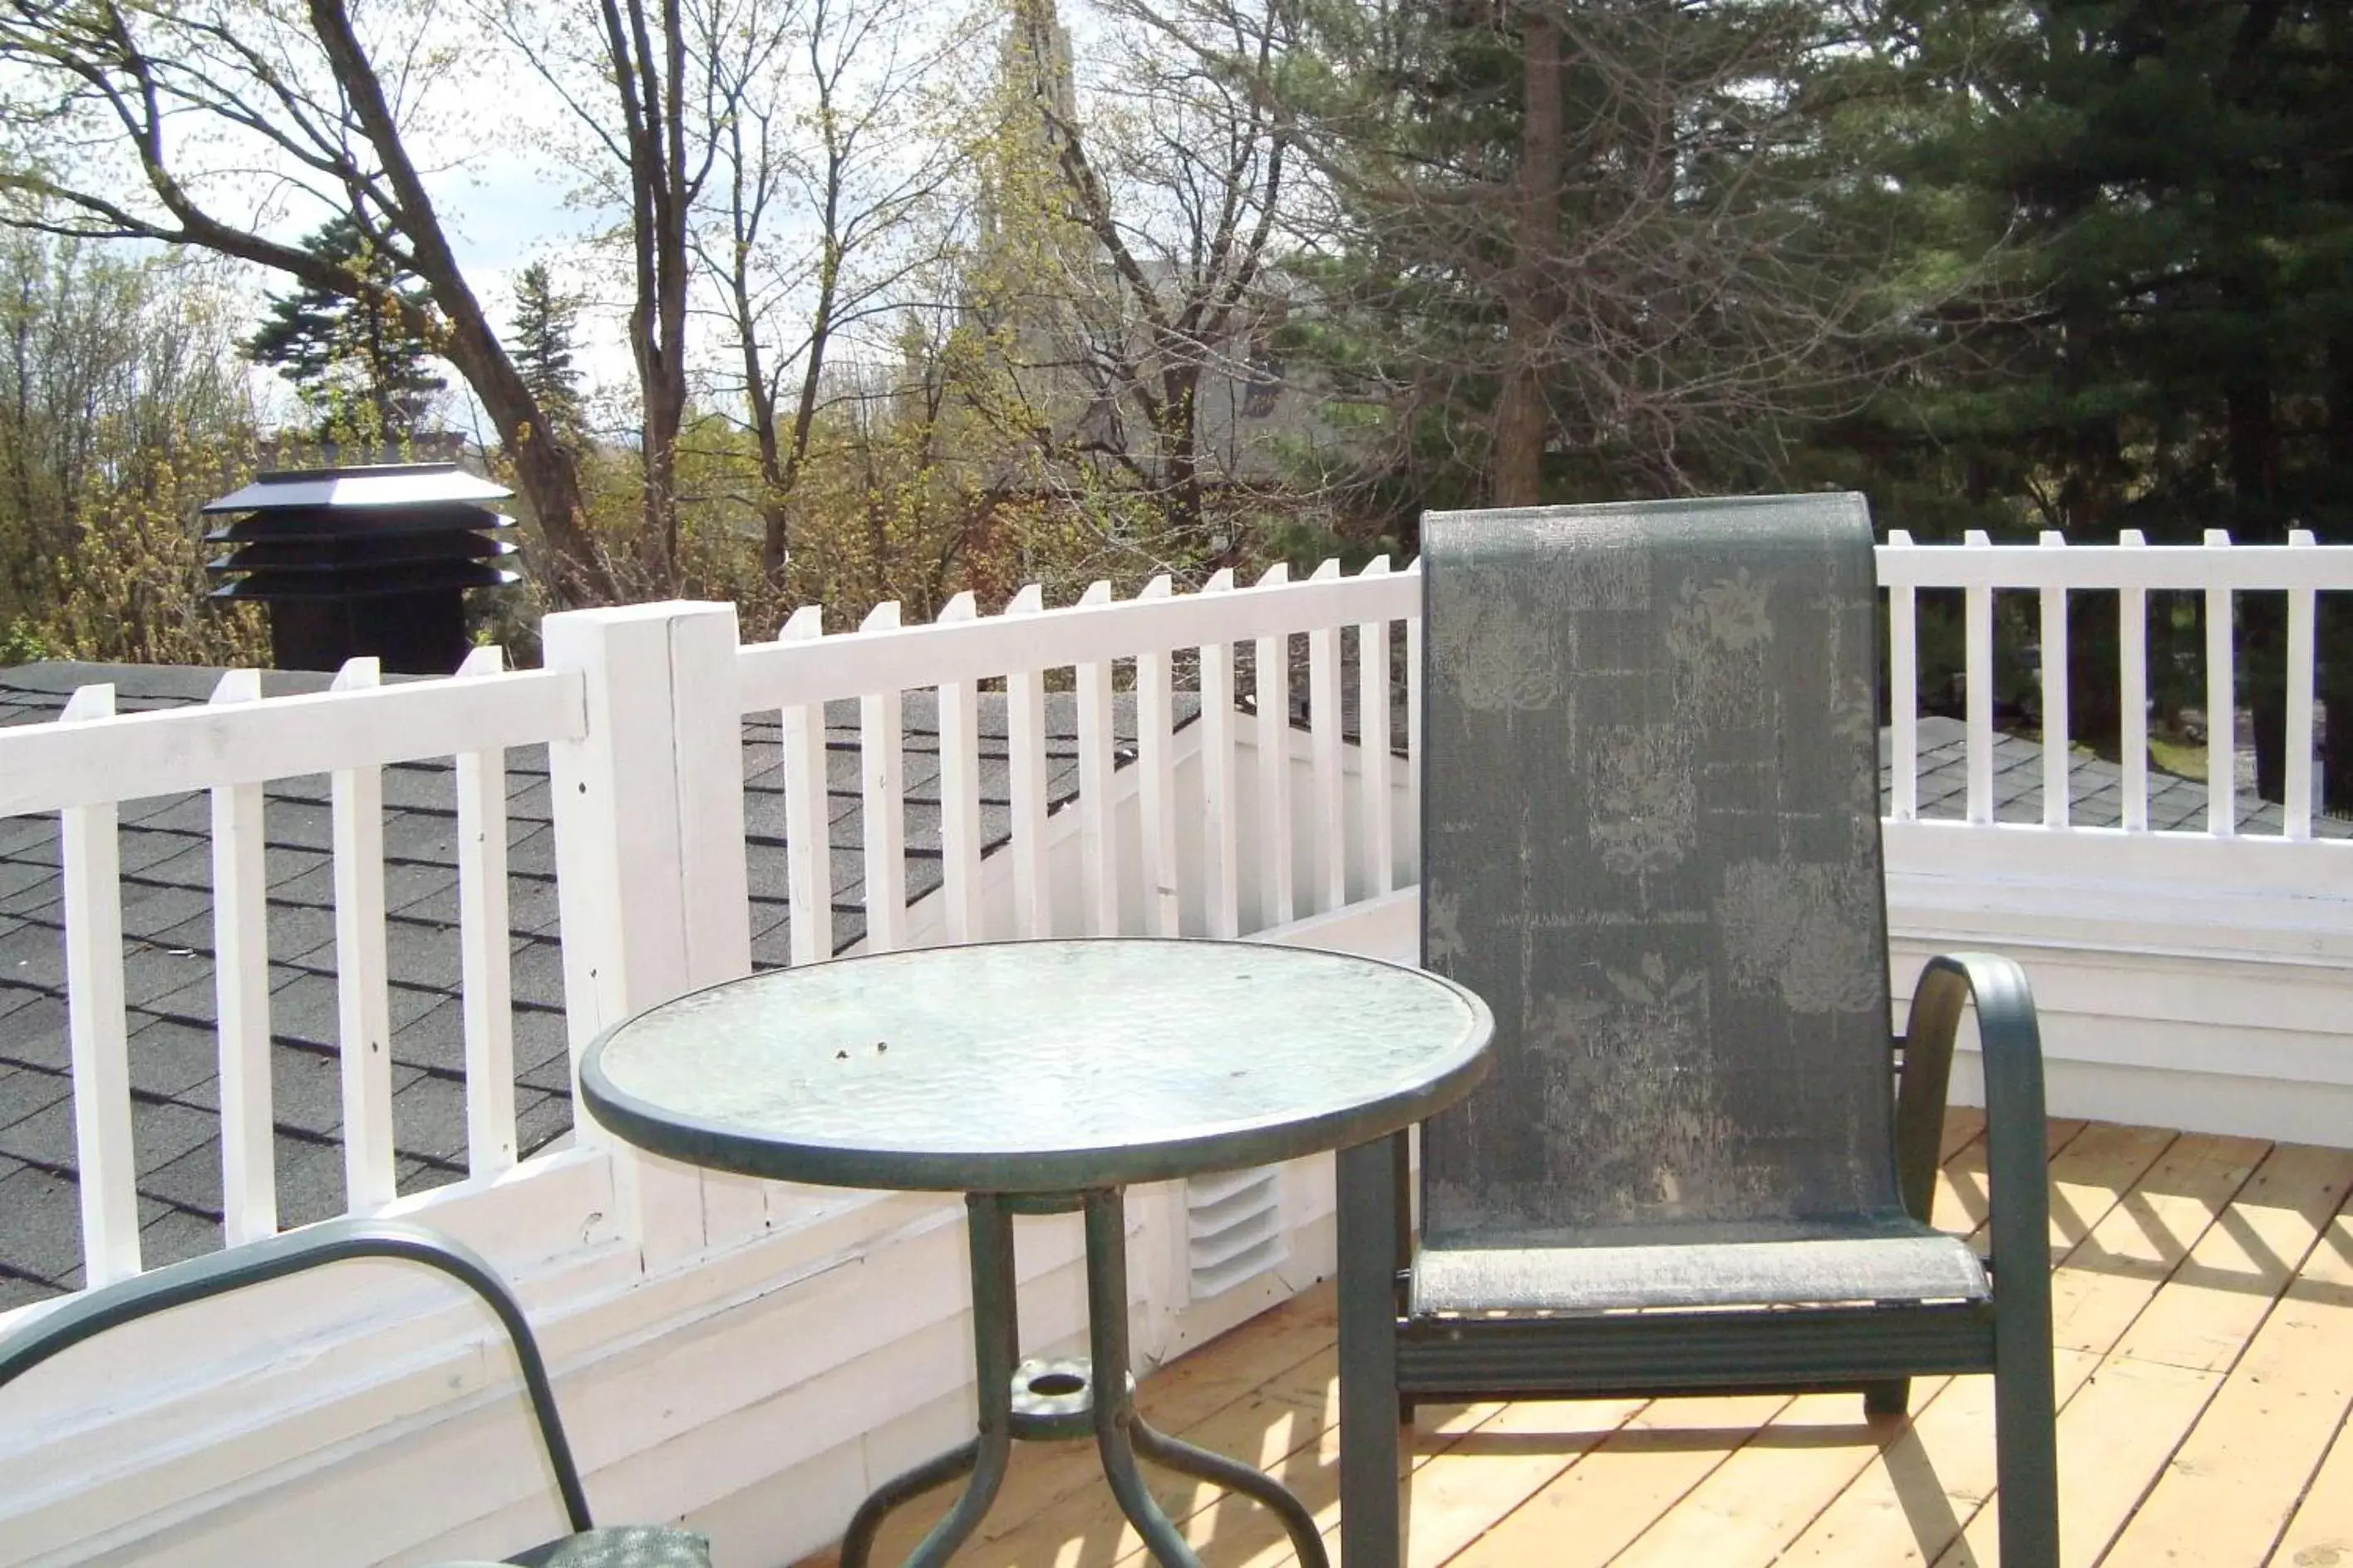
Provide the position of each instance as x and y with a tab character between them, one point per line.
2187	359
354	357
546	323
1573	250
145	120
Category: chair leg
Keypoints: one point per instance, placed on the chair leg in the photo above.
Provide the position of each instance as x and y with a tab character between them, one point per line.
2026	1439
1372	1496
1892	1397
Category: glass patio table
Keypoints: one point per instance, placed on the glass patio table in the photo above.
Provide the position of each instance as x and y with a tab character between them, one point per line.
1043	1077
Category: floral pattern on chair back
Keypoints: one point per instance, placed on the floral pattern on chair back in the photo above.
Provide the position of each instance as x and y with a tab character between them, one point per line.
1651	810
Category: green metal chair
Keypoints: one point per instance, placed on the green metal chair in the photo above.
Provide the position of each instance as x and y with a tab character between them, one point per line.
1651	810
335	1241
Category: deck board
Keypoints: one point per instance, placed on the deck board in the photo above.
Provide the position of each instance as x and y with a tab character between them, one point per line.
2203	1292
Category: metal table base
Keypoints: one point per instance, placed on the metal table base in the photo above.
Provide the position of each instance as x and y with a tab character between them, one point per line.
1063	1401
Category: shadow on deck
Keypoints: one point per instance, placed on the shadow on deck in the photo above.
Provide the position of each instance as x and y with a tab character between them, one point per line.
2204	1313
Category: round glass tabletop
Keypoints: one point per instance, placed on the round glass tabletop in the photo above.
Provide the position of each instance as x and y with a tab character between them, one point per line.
1038	1065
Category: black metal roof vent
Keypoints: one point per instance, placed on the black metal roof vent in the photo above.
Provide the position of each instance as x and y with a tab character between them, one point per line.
354	561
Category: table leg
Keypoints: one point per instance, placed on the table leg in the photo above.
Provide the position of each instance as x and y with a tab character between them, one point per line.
1120	1435
1375	1431
996	1332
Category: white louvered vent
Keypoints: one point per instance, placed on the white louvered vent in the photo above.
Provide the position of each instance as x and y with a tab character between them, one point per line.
1233	1228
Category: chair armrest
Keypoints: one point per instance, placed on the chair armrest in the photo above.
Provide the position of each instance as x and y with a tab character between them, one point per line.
2011	1044
311	1246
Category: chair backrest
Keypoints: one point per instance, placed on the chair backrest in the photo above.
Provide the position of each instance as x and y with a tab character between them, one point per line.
1650	841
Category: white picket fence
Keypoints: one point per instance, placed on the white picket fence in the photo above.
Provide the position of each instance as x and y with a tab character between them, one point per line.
2131	569
93	759
642	707
797	673
750	1356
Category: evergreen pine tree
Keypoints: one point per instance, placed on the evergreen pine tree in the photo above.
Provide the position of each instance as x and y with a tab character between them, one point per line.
358	366
2176	176
546	324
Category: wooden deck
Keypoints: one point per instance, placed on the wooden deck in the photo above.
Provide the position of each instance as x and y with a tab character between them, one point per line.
2204	1307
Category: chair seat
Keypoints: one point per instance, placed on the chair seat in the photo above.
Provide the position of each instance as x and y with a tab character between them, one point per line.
1878	1265
624	1546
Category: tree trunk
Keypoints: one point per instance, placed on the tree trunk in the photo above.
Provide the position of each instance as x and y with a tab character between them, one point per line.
550	478
652	88
1521	420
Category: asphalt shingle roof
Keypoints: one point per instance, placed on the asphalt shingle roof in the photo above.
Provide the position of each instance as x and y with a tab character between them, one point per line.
165	850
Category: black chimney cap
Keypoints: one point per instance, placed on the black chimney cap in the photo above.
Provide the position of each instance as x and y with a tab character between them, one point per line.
387	484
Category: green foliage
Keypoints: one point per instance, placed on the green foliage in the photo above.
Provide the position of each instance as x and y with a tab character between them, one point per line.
123	409
133	591
23	642
546	333
358	363
1679	297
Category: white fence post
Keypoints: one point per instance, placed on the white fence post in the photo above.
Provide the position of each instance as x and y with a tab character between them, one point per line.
648	807
90	864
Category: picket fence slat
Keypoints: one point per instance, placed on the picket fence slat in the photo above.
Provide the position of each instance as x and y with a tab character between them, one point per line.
2221	707
241	995
2056	752
1156	773
484	956
960	793
883	826
1903	685
363	994
1325	737
809	858
90	866
1373	750
2300	671
2132	676
1977	671
1098	847
1222	852
1025	745
1271	691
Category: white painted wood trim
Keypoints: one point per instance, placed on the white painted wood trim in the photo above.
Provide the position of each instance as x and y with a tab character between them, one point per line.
2300	671
884	800
2057	752
1977	667
1100	850
484	956
1221	866
1025	744
1330	846
1156	773
1271	693
652	904
362	995
1095	630
241	995
808	852
44	767
2221	706
2132	673
90	867
1378	812
1413	673
1904	681
2132	563
959	710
